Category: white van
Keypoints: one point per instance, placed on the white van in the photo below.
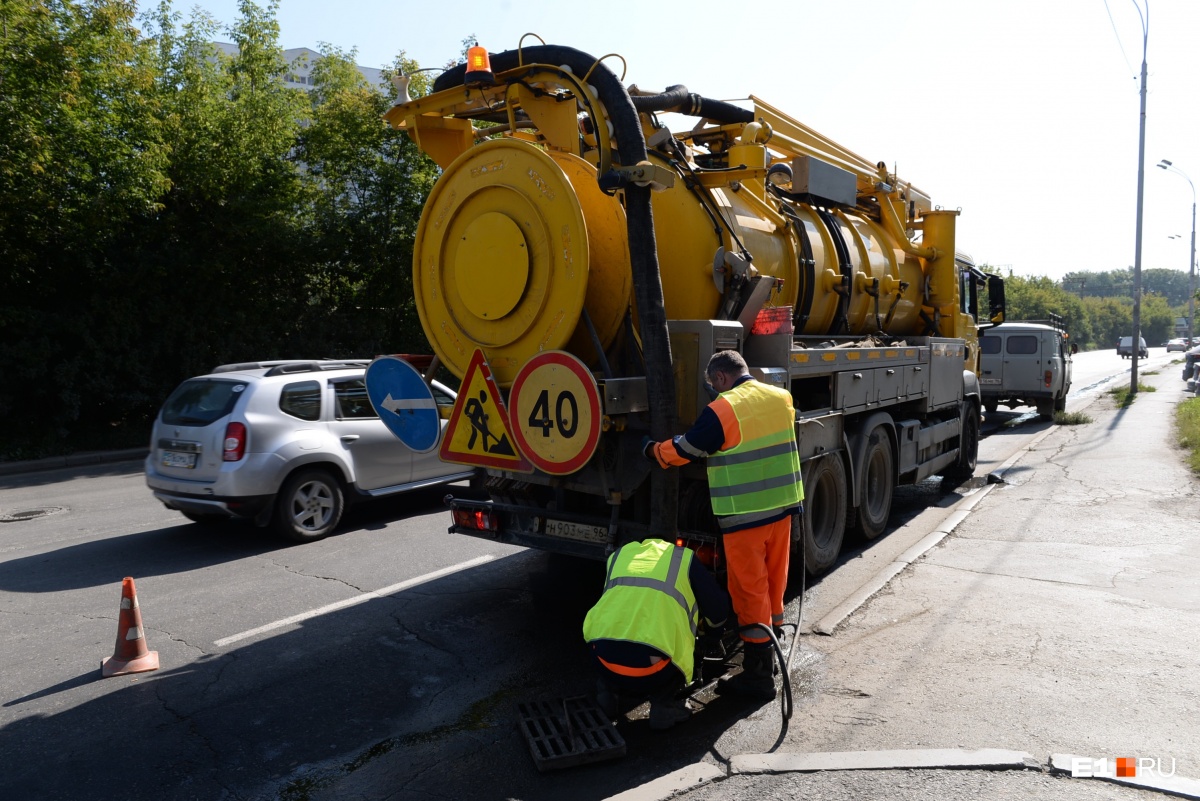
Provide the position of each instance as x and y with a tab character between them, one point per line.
1025	364
1125	348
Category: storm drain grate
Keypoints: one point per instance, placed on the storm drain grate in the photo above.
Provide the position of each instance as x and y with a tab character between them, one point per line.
568	732
28	514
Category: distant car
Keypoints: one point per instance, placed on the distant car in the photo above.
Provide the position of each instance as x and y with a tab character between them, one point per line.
286	443
1125	348
1177	344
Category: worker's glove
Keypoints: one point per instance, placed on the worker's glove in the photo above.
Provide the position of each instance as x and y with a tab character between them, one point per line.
648	449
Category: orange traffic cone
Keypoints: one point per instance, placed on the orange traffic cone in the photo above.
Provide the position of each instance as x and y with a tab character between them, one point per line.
131	654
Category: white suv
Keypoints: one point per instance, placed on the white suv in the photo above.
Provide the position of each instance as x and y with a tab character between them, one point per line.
288	442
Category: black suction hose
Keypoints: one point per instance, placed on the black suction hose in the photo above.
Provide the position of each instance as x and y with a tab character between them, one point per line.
643	254
677	99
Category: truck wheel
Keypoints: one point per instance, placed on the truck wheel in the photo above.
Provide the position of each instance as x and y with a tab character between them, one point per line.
1060	404
968	444
879	480
309	506
990	406
1045	408
824	512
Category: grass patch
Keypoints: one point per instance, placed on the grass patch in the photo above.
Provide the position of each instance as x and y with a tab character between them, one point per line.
1187	426
1071	419
1122	395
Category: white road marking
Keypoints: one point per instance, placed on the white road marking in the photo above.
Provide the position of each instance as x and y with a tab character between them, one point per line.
358	599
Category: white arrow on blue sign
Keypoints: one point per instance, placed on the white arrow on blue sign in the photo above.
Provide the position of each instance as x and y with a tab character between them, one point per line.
404	402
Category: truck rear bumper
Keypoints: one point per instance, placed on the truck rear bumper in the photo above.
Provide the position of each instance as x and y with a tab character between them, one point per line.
564	533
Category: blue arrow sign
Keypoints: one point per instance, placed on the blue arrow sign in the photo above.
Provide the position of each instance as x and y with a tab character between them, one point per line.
404	402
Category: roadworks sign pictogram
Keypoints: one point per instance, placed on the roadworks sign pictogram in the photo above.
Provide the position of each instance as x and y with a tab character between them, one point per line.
479	432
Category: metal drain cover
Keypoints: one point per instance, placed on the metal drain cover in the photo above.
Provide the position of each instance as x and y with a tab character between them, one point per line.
568	732
28	514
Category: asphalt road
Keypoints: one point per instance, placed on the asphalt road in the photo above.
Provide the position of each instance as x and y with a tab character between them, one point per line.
421	645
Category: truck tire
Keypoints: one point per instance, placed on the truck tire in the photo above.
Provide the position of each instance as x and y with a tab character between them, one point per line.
990	406
1060	403
309	506
968	449
1045	408
878	482
825	495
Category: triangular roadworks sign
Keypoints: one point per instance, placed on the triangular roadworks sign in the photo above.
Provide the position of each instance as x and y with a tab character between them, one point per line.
479	432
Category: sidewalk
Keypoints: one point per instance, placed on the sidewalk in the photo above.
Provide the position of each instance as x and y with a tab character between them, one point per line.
71	460
1058	618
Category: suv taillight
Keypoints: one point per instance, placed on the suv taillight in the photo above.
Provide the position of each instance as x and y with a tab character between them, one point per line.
235	442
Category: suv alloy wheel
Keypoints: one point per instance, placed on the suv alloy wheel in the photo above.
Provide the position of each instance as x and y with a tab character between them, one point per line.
309	506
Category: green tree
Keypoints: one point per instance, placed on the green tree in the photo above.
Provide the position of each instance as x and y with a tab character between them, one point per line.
1156	321
1110	320
165	207
81	161
230	235
1039	298
369	184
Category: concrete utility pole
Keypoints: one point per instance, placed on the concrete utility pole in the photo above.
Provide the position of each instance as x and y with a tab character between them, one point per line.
1135	344
1167	165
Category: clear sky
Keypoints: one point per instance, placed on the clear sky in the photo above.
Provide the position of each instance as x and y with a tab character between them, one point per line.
1024	114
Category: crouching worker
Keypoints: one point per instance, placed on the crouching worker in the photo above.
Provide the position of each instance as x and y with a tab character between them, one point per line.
642	631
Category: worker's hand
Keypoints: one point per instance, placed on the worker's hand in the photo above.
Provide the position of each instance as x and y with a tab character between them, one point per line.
648	449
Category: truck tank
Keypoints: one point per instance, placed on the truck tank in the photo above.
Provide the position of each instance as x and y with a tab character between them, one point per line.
520	249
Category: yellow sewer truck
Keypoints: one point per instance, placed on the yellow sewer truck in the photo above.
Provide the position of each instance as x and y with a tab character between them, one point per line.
578	262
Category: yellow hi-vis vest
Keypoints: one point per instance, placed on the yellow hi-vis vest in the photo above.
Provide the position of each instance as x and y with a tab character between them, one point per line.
760	476
648	599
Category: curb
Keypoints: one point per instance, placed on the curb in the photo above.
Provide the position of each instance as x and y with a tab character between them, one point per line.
71	460
996	759
911	759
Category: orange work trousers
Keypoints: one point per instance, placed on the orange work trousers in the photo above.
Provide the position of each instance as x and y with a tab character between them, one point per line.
758	569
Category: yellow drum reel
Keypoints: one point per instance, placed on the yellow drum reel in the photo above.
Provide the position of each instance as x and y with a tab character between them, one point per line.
514	244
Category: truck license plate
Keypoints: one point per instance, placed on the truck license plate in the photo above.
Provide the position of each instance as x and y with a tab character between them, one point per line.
576	531
176	459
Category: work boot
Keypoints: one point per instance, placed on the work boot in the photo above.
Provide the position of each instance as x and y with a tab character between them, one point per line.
667	710
756	680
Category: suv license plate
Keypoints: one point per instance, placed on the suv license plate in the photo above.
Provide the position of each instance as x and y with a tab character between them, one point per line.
576	531
176	459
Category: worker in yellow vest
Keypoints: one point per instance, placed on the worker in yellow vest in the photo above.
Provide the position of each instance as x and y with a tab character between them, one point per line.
748	437
642	631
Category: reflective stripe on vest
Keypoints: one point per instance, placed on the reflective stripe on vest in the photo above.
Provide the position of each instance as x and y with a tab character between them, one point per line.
760	475
648	599
670	585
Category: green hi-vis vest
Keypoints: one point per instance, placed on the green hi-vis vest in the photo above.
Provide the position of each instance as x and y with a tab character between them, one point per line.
761	475
648	599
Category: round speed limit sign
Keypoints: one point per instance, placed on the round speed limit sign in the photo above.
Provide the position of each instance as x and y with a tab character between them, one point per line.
555	409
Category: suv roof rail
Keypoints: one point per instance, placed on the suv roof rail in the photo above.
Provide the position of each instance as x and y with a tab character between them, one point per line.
1055	321
289	366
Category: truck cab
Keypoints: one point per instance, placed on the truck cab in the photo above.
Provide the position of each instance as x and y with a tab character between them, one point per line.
1025	364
